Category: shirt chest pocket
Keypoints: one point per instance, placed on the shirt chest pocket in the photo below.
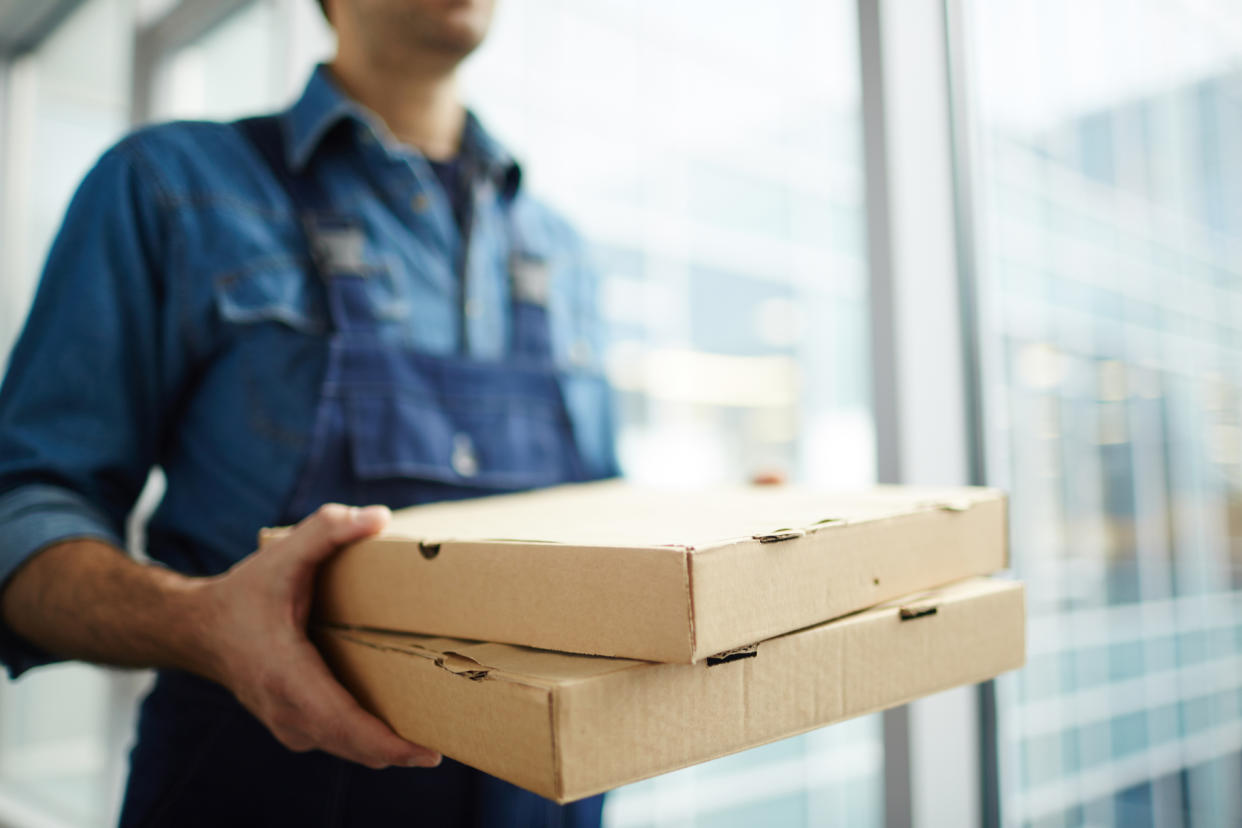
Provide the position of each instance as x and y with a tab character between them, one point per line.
285	292
275	291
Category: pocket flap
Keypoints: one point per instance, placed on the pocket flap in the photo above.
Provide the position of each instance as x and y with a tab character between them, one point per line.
270	292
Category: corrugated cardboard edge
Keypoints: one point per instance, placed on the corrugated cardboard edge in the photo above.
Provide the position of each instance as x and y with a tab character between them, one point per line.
1009	596
731	612
469	590
558	771
688	641
694	644
1005	523
857	652
371	670
685	655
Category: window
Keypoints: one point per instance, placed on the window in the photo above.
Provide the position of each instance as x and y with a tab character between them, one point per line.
1110	209
254	60
230	71
63	729
713	156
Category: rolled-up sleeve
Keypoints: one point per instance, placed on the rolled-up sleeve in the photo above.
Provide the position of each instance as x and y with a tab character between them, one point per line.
81	406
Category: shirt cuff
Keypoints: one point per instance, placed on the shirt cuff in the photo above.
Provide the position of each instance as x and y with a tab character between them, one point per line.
32	518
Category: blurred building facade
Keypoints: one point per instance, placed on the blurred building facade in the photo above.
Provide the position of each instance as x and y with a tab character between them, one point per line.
1111	268
715	157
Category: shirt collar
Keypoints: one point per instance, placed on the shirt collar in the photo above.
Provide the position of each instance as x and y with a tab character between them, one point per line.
492	160
323	105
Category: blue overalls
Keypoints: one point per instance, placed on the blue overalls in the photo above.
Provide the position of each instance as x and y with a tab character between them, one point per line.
201	758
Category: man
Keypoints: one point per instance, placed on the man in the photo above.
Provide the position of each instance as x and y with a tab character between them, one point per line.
355	302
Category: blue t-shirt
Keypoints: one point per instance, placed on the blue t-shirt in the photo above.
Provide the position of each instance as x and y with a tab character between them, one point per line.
449	174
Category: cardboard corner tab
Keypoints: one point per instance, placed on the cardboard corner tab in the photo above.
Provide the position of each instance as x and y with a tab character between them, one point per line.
569	726
614	569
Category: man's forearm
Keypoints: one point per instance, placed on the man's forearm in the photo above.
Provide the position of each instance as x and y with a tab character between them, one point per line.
245	629
87	600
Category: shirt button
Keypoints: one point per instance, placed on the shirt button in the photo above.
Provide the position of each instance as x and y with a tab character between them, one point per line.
472	309
464	461
420	203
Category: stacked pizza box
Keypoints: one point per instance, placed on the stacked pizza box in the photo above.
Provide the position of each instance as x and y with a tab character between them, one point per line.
577	638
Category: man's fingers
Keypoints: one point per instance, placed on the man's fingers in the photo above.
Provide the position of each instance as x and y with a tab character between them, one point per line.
355	734
333	526
315	711
362	738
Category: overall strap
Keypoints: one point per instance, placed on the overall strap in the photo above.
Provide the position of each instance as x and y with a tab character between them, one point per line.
529	276
324	232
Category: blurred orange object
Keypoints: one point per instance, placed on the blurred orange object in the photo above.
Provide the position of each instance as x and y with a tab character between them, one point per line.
769	477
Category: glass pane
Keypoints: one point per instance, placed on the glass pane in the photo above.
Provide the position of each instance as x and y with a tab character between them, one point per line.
67	102
256	60
713	156
229	72
63	729
1111	207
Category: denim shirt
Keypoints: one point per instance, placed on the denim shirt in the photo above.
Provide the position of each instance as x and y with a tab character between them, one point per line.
176	326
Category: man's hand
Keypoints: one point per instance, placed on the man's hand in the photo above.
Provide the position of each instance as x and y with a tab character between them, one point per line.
245	629
258	648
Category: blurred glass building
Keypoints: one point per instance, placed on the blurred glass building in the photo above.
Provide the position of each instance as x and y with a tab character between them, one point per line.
1110	227
734	167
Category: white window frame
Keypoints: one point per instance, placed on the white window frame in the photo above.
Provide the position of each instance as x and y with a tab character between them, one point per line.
939	769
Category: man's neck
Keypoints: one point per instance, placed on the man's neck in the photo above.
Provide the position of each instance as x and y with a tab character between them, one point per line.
417	100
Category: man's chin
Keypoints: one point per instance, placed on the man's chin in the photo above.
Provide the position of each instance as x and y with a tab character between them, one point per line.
461	28
458	42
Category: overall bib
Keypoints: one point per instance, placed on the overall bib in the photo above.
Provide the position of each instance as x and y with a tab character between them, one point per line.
395	426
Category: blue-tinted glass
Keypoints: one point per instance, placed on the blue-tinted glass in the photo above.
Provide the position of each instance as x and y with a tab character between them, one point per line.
1197	714
1095	744
790	810
1092	667
1041	678
1068	661
723	320
1164	724
1132	808
1110	208
1071	753
1125	660
775	752
1192	647
1129	733
1041	759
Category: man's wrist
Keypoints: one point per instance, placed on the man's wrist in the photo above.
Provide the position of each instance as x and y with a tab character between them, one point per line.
86	599
193	644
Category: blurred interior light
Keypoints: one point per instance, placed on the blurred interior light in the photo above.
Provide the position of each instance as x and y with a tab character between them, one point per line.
1145	382
1112	377
1225	444
685	375
1041	366
1113	428
779	322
